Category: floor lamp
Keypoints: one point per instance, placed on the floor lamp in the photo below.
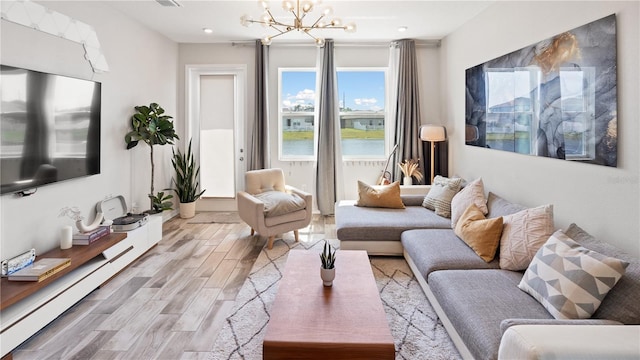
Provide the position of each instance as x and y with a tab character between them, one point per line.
433	134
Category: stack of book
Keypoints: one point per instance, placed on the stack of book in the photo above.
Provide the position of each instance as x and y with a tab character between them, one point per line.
40	270
86	238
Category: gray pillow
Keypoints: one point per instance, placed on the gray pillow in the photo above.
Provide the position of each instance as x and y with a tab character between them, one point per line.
439	196
500	207
280	203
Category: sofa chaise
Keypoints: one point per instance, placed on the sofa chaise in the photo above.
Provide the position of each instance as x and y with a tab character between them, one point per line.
480	304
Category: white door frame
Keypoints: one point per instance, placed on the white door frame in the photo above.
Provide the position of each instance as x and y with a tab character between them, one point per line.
192	109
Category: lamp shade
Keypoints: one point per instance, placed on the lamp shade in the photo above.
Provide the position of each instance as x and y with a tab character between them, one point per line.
432	133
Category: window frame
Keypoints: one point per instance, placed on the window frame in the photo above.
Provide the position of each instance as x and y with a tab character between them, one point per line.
388	126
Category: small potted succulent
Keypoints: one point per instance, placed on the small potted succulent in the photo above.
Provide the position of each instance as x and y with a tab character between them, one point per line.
327	269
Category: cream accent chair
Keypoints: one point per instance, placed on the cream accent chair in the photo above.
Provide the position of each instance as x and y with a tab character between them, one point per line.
251	209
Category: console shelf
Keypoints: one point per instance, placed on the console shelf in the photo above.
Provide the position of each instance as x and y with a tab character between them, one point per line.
14	291
28	306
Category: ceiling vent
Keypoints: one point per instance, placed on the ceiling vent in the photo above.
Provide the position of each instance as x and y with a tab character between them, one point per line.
169	3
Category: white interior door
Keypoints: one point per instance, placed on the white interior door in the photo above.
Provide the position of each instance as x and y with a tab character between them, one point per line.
215	113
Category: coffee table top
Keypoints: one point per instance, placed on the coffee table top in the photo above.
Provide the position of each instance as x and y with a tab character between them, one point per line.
349	315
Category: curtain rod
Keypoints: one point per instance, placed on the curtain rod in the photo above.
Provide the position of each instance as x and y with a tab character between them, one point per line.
419	43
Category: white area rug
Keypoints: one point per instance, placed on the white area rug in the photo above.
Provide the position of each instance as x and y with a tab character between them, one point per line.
417	332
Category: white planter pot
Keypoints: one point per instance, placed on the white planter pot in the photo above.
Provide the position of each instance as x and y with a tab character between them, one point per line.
407	180
188	210
327	276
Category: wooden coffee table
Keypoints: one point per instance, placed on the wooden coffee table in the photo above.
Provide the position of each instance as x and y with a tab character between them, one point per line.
345	321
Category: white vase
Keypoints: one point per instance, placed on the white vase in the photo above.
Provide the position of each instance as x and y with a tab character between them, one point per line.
407	180
327	276
188	210
66	237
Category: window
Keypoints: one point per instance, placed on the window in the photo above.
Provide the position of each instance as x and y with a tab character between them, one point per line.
362	98
577	97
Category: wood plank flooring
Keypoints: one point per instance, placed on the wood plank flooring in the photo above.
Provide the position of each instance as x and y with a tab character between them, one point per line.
171	303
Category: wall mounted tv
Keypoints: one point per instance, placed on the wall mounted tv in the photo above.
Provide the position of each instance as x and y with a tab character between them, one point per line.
49	126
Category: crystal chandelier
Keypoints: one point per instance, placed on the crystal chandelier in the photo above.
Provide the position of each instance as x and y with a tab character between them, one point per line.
299	9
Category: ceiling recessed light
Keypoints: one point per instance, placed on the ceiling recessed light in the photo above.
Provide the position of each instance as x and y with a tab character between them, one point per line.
402	28
207	30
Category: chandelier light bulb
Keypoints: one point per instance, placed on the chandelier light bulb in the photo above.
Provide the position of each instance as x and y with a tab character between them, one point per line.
307	6
245	20
287	5
327	11
336	22
319	42
350	28
266	40
316	2
264	4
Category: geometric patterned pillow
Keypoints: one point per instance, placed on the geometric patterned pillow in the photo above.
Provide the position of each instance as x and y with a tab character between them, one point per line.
440	194
570	281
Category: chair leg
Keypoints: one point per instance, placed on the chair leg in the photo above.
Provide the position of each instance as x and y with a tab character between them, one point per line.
270	244
252	231
295	235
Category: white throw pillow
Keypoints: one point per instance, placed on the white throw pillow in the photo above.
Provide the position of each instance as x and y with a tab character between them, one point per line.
473	193
569	280
523	234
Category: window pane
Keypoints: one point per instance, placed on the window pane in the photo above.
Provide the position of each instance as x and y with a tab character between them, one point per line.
297	104
362	112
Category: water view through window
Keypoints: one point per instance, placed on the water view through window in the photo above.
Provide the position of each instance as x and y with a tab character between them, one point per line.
362	113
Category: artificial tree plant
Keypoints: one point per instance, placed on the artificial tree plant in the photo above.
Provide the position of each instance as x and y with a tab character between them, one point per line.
152	126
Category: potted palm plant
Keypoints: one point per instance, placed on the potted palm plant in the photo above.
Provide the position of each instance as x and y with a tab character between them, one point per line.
328	269
153	127
186	182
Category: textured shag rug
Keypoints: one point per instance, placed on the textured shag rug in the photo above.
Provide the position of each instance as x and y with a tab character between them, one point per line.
416	329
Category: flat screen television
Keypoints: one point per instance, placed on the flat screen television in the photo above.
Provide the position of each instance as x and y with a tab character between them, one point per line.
49	128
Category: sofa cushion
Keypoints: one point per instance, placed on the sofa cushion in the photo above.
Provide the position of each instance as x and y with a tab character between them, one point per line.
569	280
482	235
363	223
441	249
621	304
278	203
473	193
523	234
439	196
386	196
498	206
476	309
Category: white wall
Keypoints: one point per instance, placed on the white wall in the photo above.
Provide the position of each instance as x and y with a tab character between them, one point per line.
301	173
604	201
142	70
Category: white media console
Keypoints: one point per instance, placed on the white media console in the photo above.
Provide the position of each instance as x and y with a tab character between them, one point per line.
32	306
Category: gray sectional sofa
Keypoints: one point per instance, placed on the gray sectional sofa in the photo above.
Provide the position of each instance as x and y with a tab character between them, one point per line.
479	304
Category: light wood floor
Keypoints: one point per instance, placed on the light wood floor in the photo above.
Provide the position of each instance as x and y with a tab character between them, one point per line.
169	304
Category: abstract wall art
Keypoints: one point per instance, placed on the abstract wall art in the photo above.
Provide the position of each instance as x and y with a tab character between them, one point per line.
556	98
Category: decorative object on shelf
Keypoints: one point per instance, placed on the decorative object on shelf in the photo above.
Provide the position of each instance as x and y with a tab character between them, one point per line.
9	266
66	237
433	134
548	99
186	182
150	125
74	214
410	169
327	269
41	269
299	10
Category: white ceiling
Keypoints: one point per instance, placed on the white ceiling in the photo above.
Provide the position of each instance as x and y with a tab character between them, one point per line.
375	20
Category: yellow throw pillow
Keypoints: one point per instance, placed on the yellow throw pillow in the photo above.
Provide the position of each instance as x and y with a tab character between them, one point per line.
386	196
481	234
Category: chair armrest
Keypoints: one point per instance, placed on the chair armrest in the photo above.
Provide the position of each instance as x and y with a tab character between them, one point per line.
570	342
250	209
308	198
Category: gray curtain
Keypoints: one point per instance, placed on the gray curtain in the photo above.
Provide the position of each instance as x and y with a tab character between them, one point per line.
329	152
258	153
407	107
